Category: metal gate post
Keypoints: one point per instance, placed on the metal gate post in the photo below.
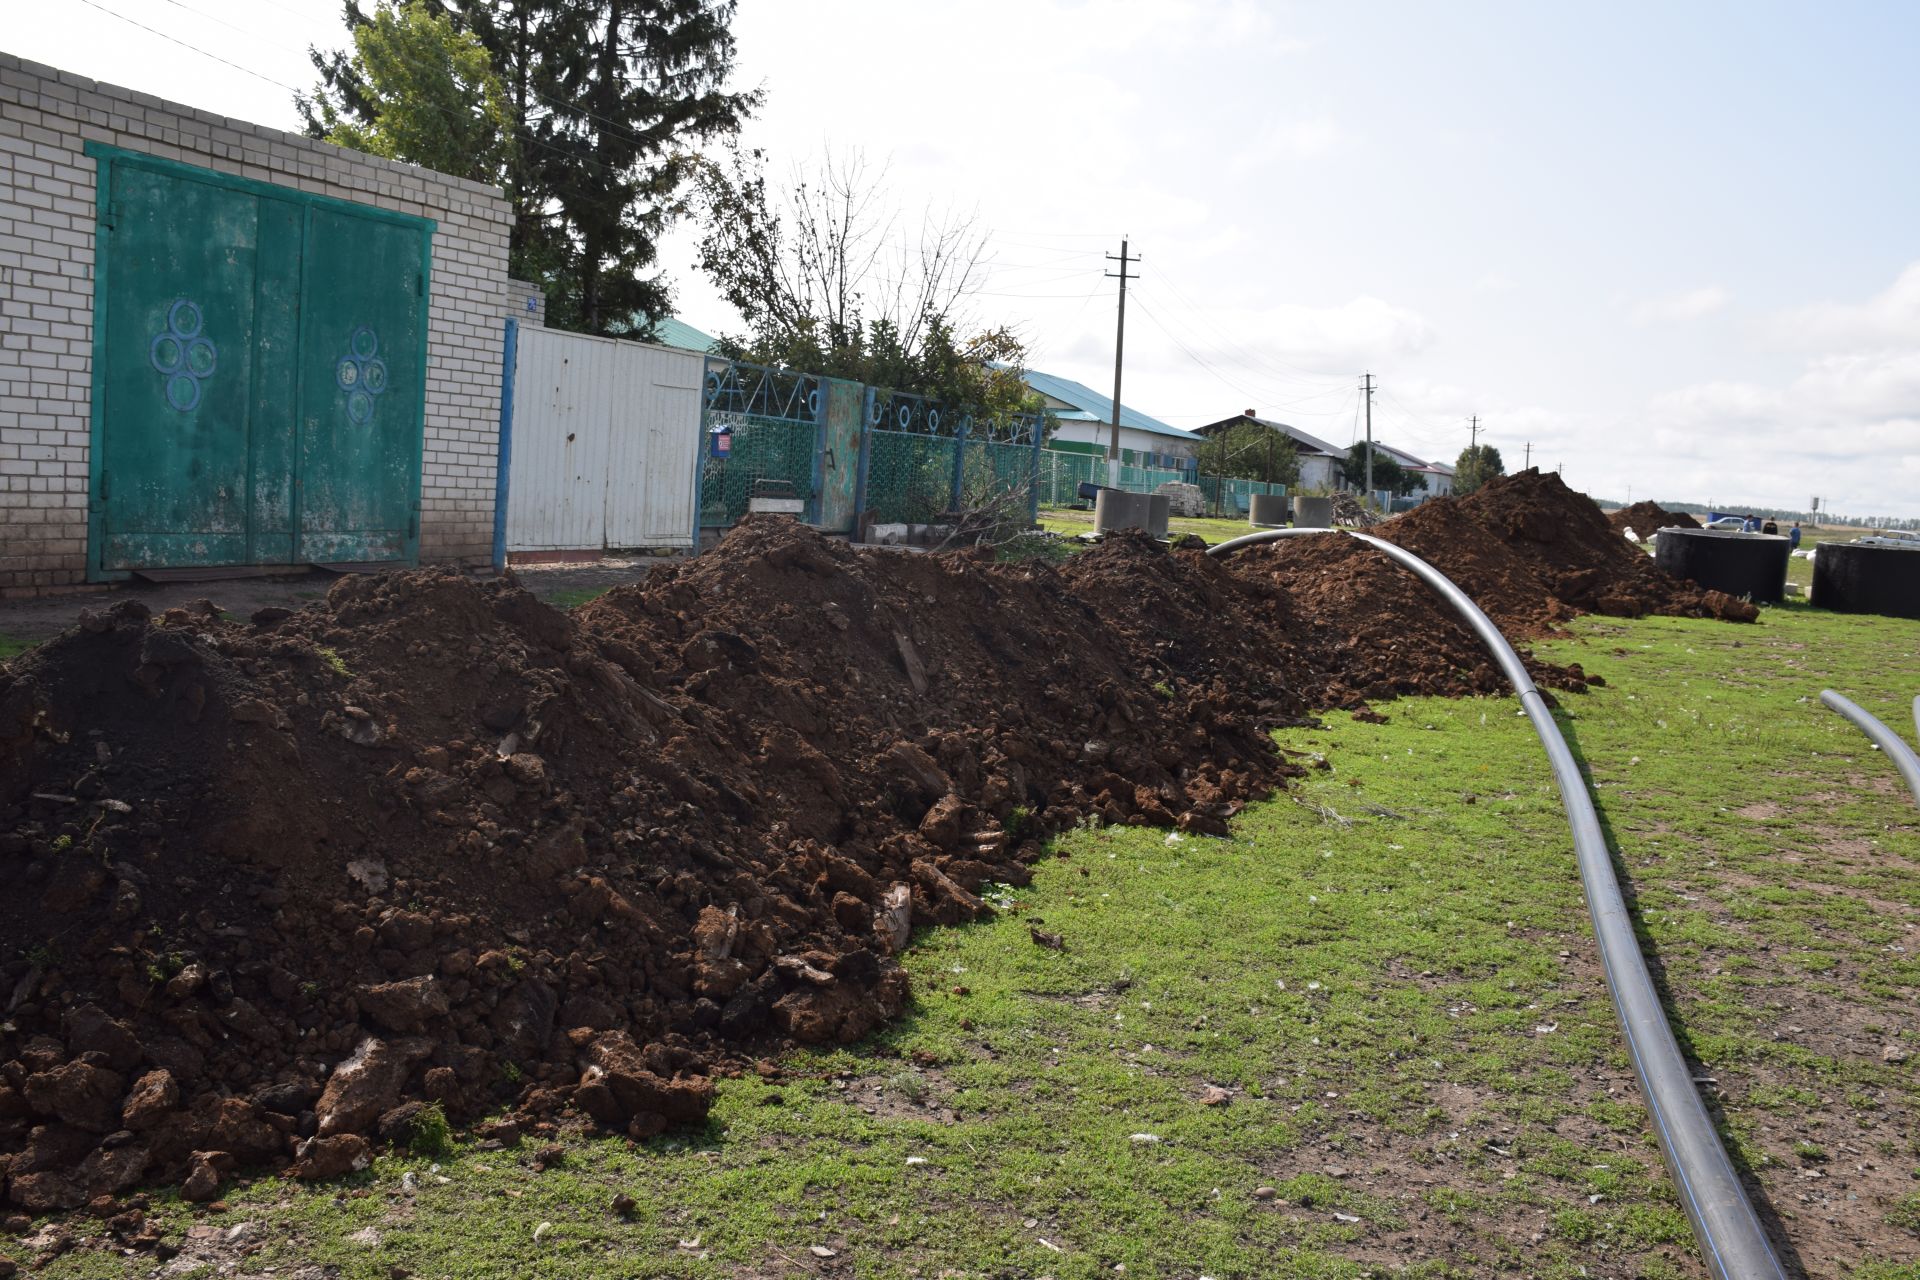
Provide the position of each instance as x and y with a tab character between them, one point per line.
503	460
1033	504
860	467
960	462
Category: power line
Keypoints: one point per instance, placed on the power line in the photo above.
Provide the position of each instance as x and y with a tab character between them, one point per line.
1277	364
194	48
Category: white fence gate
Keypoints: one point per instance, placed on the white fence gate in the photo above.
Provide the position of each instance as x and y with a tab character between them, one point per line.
605	444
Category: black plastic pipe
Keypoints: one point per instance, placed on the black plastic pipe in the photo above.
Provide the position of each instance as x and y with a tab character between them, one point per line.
1891	744
1728	1230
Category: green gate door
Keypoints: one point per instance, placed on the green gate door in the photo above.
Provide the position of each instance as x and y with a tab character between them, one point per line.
359	434
259	373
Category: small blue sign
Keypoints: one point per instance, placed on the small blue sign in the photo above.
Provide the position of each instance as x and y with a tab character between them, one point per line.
722	442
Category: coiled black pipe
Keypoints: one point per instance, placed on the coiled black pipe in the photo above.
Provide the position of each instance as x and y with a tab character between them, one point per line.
1731	1238
1891	744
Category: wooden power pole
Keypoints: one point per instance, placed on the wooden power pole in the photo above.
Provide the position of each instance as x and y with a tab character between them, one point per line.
1366	385
1119	352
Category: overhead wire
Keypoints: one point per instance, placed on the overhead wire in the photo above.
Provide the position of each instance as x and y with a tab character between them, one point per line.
1217	374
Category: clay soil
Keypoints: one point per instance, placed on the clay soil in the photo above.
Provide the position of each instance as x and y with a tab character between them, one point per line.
1648	518
277	885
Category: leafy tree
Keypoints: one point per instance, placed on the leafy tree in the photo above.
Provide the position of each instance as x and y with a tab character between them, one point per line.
1476	465
829	281
606	99
1250	451
1388	474
426	94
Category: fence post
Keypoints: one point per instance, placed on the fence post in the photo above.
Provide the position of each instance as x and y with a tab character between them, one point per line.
503	459
1033	489
960	462
860	468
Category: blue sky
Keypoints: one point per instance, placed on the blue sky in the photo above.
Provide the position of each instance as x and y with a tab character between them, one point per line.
1673	246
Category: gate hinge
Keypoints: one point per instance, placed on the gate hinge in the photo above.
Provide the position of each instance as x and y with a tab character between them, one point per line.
111	216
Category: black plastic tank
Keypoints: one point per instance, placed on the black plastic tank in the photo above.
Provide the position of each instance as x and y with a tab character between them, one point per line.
1855	577
1751	566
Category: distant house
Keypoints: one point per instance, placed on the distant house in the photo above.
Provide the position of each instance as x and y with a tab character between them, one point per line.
1319	460
1435	477
671	331
1085	426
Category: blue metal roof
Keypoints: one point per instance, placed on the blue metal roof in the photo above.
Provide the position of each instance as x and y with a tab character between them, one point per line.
1095	407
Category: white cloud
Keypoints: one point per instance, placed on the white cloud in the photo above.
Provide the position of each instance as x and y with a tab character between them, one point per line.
1890	318
1680	307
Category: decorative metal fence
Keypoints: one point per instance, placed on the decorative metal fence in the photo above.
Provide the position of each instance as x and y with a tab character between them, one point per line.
919	460
1063	472
1229	498
772	418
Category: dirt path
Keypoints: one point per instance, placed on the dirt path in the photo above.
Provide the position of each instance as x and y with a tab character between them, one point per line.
28	622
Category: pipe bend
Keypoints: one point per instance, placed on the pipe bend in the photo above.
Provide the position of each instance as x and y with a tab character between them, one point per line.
1891	744
1731	1238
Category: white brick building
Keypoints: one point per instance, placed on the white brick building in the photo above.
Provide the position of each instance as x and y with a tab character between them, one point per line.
50	211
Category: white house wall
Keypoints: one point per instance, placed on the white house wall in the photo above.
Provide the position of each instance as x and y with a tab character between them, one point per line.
606	436
1130	438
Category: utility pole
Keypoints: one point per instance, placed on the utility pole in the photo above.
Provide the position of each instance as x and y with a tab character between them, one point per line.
1473	441
1529	461
1366	384
1119	350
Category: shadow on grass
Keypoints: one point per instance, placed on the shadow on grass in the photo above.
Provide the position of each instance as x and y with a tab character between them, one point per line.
1650	951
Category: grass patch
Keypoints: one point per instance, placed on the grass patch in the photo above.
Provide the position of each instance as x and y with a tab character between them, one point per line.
12	646
574	597
1065	520
1388	968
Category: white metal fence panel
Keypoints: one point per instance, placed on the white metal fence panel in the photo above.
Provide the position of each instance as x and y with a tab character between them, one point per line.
606	438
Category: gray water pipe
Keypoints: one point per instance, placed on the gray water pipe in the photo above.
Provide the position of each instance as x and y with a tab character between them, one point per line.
1891	744
1728	1230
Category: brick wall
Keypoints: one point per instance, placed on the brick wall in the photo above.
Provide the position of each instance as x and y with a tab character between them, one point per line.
46	305
526	303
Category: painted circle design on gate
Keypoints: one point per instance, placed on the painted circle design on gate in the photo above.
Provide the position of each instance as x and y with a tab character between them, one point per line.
183	356
361	374
813	404
183	317
201	357
183	392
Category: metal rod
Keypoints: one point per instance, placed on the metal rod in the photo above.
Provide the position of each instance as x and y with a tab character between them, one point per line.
1731	1238
1891	744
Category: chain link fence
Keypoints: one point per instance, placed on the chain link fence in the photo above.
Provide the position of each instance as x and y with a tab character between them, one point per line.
762	449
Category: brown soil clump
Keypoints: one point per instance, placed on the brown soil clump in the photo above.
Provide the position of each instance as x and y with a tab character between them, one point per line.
1533	553
1648	518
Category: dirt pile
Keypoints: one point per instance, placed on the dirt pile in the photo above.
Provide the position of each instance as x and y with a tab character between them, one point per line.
276	886
1533	553
1648	518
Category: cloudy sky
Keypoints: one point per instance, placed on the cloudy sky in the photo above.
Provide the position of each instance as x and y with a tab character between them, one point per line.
1675	248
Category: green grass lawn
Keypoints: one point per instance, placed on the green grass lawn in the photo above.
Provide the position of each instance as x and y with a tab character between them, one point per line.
1065	520
12	646
574	597
1388	970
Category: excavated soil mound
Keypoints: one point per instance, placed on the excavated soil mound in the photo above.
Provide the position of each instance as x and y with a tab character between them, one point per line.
1533	553
1648	518
274	886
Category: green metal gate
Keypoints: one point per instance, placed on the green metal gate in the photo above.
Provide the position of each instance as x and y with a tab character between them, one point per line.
259	373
